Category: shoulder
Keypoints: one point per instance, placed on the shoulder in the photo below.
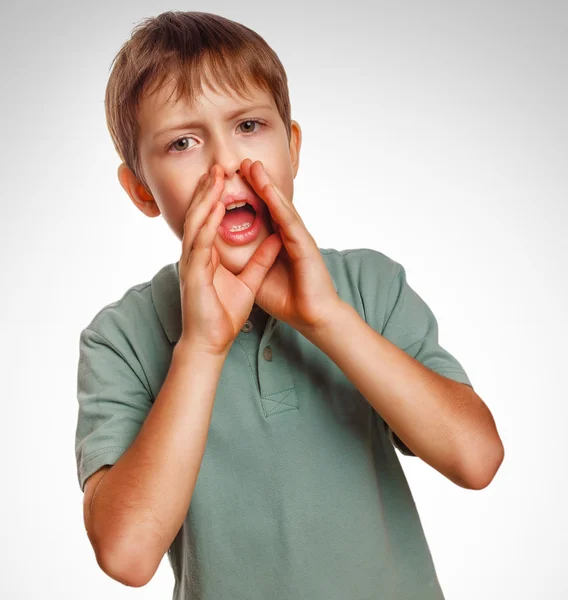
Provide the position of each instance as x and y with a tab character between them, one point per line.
130	321
361	272
123	312
363	278
356	262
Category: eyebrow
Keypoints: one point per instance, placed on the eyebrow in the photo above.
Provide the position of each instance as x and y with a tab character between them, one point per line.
228	117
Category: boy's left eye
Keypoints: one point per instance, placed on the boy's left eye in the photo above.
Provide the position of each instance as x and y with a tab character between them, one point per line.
185	137
252	121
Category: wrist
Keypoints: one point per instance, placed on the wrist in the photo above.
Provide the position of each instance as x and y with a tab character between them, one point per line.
185	348
336	313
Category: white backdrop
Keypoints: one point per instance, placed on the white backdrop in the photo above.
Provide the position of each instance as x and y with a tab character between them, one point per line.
433	132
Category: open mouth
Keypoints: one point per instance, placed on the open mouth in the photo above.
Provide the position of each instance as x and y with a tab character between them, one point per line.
239	218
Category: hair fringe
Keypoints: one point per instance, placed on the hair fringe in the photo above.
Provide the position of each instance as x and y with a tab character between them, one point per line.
189	48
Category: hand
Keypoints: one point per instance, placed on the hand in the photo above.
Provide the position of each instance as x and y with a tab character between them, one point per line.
298	289
215	303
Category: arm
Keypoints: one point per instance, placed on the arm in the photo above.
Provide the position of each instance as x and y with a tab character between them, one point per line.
132	522
442	421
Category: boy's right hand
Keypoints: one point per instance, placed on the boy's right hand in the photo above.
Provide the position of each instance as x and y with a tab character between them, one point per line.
215	303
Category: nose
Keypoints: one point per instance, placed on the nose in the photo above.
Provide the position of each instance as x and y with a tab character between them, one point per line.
228	171
229	159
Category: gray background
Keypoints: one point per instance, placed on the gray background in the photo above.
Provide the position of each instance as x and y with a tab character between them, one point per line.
434	132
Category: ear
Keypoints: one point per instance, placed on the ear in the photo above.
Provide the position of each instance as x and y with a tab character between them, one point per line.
295	144
137	192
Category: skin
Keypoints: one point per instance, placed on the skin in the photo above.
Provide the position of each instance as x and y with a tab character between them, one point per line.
172	172
442	421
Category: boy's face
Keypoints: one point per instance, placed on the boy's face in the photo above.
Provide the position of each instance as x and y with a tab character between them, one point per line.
173	161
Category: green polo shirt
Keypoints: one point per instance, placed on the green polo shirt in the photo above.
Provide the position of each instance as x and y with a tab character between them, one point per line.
301	494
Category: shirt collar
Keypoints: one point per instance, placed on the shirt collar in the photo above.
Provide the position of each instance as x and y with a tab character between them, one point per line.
166	296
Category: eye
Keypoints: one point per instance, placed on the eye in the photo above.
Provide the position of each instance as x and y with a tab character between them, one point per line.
259	122
176	141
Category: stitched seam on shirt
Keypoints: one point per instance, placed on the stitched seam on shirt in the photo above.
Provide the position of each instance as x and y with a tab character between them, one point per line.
124	359
272	414
246	354
267	396
386	318
281	402
117	303
343	252
88	457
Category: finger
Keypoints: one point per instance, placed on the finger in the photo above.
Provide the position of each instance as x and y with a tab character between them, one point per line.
204	239
189	228
207	181
214	184
199	210
281	209
202	187
260	263
296	238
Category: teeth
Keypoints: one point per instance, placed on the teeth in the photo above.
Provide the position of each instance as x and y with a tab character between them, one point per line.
242	227
235	205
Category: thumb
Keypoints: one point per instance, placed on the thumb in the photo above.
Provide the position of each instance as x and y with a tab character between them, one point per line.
260	262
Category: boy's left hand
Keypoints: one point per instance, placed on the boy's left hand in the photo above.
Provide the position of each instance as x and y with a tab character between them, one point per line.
298	288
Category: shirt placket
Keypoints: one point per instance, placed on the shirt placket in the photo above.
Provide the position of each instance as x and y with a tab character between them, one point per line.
264	348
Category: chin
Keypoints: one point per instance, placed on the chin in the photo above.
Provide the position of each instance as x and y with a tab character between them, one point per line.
236	264
236	258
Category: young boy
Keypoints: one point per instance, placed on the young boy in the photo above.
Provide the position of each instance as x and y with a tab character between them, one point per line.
263	462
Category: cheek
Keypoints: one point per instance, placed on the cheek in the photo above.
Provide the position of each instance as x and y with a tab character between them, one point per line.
175	179
287	184
281	173
173	205
175	192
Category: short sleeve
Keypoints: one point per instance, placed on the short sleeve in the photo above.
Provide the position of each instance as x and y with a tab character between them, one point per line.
410	324
113	403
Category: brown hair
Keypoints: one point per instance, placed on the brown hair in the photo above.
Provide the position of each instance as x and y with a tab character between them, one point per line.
189	47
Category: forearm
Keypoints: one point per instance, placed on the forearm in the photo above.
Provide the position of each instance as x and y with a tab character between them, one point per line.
443	422
141	503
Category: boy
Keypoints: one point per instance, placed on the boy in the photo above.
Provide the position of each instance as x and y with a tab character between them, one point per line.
261	458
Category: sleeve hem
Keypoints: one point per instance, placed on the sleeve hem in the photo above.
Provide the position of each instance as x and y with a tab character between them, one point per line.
97	459
115	349
399	444
463	377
